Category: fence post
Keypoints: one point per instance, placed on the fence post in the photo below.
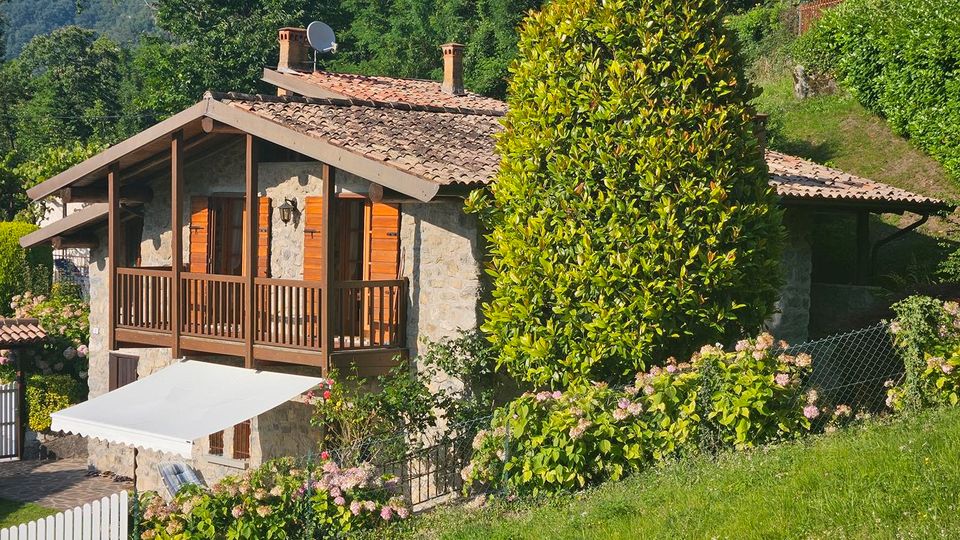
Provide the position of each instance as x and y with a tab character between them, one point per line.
19	406
506	453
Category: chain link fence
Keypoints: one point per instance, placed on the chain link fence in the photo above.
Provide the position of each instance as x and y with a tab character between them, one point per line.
853	369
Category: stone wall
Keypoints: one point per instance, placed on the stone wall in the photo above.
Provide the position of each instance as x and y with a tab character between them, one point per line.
792	319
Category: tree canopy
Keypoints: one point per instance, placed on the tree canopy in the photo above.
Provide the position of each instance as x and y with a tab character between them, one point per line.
631	219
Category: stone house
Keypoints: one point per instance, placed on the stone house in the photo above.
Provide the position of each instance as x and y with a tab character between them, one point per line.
216	235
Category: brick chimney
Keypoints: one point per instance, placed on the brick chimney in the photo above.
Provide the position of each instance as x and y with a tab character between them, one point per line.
294	50
452	69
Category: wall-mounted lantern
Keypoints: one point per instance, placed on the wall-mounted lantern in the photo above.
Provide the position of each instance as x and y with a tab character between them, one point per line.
287	210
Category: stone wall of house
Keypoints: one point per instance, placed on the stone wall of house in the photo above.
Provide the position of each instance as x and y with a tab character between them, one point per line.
792	319
441	255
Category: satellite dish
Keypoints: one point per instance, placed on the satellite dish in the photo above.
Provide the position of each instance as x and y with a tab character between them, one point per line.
321	37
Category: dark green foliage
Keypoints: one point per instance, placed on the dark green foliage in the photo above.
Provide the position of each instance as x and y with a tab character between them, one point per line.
18	264
631	219
469	359
921	325
761	31
901	59
122	20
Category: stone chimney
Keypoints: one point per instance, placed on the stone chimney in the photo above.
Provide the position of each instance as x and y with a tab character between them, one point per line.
452	69
294	50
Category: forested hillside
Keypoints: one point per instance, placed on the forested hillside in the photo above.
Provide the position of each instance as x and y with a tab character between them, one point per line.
121	20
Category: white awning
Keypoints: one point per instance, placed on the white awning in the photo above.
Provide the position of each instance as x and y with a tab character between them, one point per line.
179	404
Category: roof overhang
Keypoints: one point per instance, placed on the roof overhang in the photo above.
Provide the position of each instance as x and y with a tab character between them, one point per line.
155	140
81	219
866	205
298	85
180	404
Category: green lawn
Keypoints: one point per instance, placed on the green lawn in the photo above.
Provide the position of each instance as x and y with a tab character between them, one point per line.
891	480
15	513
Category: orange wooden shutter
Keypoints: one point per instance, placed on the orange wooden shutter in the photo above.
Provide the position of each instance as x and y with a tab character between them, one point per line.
313	238
263	238
199	234
383	251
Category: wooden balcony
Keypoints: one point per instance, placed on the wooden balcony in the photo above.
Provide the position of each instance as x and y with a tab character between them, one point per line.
368	323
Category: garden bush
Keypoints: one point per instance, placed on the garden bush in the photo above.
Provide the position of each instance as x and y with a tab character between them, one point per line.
631	219
927	331
901	59
46	394
278	500
19	267
548	442
65	317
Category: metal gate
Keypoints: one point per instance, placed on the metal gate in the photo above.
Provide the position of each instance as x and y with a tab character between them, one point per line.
10	420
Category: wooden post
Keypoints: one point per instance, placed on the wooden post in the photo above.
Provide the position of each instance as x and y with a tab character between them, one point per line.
113	251
250	237
327	295
863	248
176	241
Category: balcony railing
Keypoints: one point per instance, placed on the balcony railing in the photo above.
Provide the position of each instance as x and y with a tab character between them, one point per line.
367	315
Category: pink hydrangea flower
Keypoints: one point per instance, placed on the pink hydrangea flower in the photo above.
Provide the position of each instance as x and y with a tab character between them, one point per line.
403	512
386	513
811	412
339	501
355	508
237	511
946	368
782	379
557	394
620	414
623	403
671	368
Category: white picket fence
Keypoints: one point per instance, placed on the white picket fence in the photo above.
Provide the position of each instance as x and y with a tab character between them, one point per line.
105	519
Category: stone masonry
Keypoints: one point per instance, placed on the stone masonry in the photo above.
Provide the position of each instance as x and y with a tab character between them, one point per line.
792	318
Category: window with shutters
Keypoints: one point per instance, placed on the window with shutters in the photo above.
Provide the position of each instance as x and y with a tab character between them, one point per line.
216	443
122	369
241	440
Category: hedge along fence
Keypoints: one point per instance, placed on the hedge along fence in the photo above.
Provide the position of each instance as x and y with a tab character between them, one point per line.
901	60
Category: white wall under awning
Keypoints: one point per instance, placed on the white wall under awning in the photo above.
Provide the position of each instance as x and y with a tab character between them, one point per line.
179	404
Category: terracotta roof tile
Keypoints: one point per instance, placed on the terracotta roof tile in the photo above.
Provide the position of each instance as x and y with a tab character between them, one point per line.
442	145
416	91
20	332
455	145
796	178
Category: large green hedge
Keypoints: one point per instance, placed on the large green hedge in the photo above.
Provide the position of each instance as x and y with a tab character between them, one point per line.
631	219
18	266
46	394
901	59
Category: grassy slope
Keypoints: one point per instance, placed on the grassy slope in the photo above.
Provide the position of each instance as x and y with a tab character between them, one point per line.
896	480
15	513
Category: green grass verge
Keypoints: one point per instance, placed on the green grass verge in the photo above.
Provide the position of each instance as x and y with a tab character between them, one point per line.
881	480
14	513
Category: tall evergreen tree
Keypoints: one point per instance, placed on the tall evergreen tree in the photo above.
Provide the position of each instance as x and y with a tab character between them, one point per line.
631	219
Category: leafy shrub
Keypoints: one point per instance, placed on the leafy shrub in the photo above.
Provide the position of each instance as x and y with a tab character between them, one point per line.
65	316
927	331
468	358
760	31
901	60
18	266
278	500
631	219
556	441
356	412
48	394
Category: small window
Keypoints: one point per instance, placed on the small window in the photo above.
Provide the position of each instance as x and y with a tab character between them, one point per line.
123	369
241	440
216	443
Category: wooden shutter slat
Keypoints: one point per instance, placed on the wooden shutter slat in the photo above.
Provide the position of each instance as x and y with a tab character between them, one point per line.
383	262
313	238
199	234
263	239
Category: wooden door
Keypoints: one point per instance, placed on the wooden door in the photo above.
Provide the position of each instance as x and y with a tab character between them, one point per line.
383	263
